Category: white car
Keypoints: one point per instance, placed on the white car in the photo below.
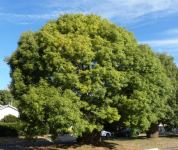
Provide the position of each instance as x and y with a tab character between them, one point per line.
105	133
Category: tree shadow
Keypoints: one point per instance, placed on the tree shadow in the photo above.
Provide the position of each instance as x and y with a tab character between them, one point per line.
175	136
22	144
43	143
129	138
105	144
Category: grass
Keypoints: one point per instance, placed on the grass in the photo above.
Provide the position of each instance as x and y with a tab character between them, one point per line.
145	143
141	143
165	143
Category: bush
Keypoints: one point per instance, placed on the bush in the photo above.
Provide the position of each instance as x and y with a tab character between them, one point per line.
10	118
9	129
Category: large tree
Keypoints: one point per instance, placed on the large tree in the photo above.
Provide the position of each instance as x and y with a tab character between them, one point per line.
99	65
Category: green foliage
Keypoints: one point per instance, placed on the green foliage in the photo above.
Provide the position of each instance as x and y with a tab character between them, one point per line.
9	129
10	118
171	70
54	111
177	85
5	97
144	99
83	71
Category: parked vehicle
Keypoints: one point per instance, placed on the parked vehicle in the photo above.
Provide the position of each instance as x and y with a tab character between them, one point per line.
105	134
126	132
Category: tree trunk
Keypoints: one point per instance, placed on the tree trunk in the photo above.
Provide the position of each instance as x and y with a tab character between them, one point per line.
90	138
153	131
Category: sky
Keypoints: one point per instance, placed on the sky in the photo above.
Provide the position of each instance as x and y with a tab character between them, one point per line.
153	22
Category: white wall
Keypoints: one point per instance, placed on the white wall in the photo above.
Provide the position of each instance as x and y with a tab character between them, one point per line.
8	111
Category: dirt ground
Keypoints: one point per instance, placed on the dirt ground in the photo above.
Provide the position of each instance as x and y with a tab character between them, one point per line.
142	143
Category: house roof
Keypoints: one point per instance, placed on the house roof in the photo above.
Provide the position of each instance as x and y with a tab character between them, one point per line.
6	106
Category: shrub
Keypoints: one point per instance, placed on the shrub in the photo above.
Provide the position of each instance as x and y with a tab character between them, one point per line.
10	118
9	129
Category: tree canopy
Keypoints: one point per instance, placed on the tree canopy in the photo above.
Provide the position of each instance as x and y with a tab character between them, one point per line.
83	71
171	69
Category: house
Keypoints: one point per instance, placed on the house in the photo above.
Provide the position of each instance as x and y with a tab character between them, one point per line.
8	110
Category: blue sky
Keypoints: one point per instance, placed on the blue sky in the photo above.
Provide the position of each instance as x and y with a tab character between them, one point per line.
153	22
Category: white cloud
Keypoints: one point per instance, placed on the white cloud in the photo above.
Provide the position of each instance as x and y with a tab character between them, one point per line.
135	8
173	31
2	64
26	19
124	10
30	16
162	43
169	46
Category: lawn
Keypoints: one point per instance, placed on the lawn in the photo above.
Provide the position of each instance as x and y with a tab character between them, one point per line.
163	143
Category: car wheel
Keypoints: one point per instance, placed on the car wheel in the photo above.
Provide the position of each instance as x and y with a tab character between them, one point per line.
107	135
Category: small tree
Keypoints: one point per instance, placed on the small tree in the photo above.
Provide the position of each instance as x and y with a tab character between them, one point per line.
5	97
10	119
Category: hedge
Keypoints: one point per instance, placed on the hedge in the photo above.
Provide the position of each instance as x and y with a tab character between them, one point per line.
9	129
10	119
